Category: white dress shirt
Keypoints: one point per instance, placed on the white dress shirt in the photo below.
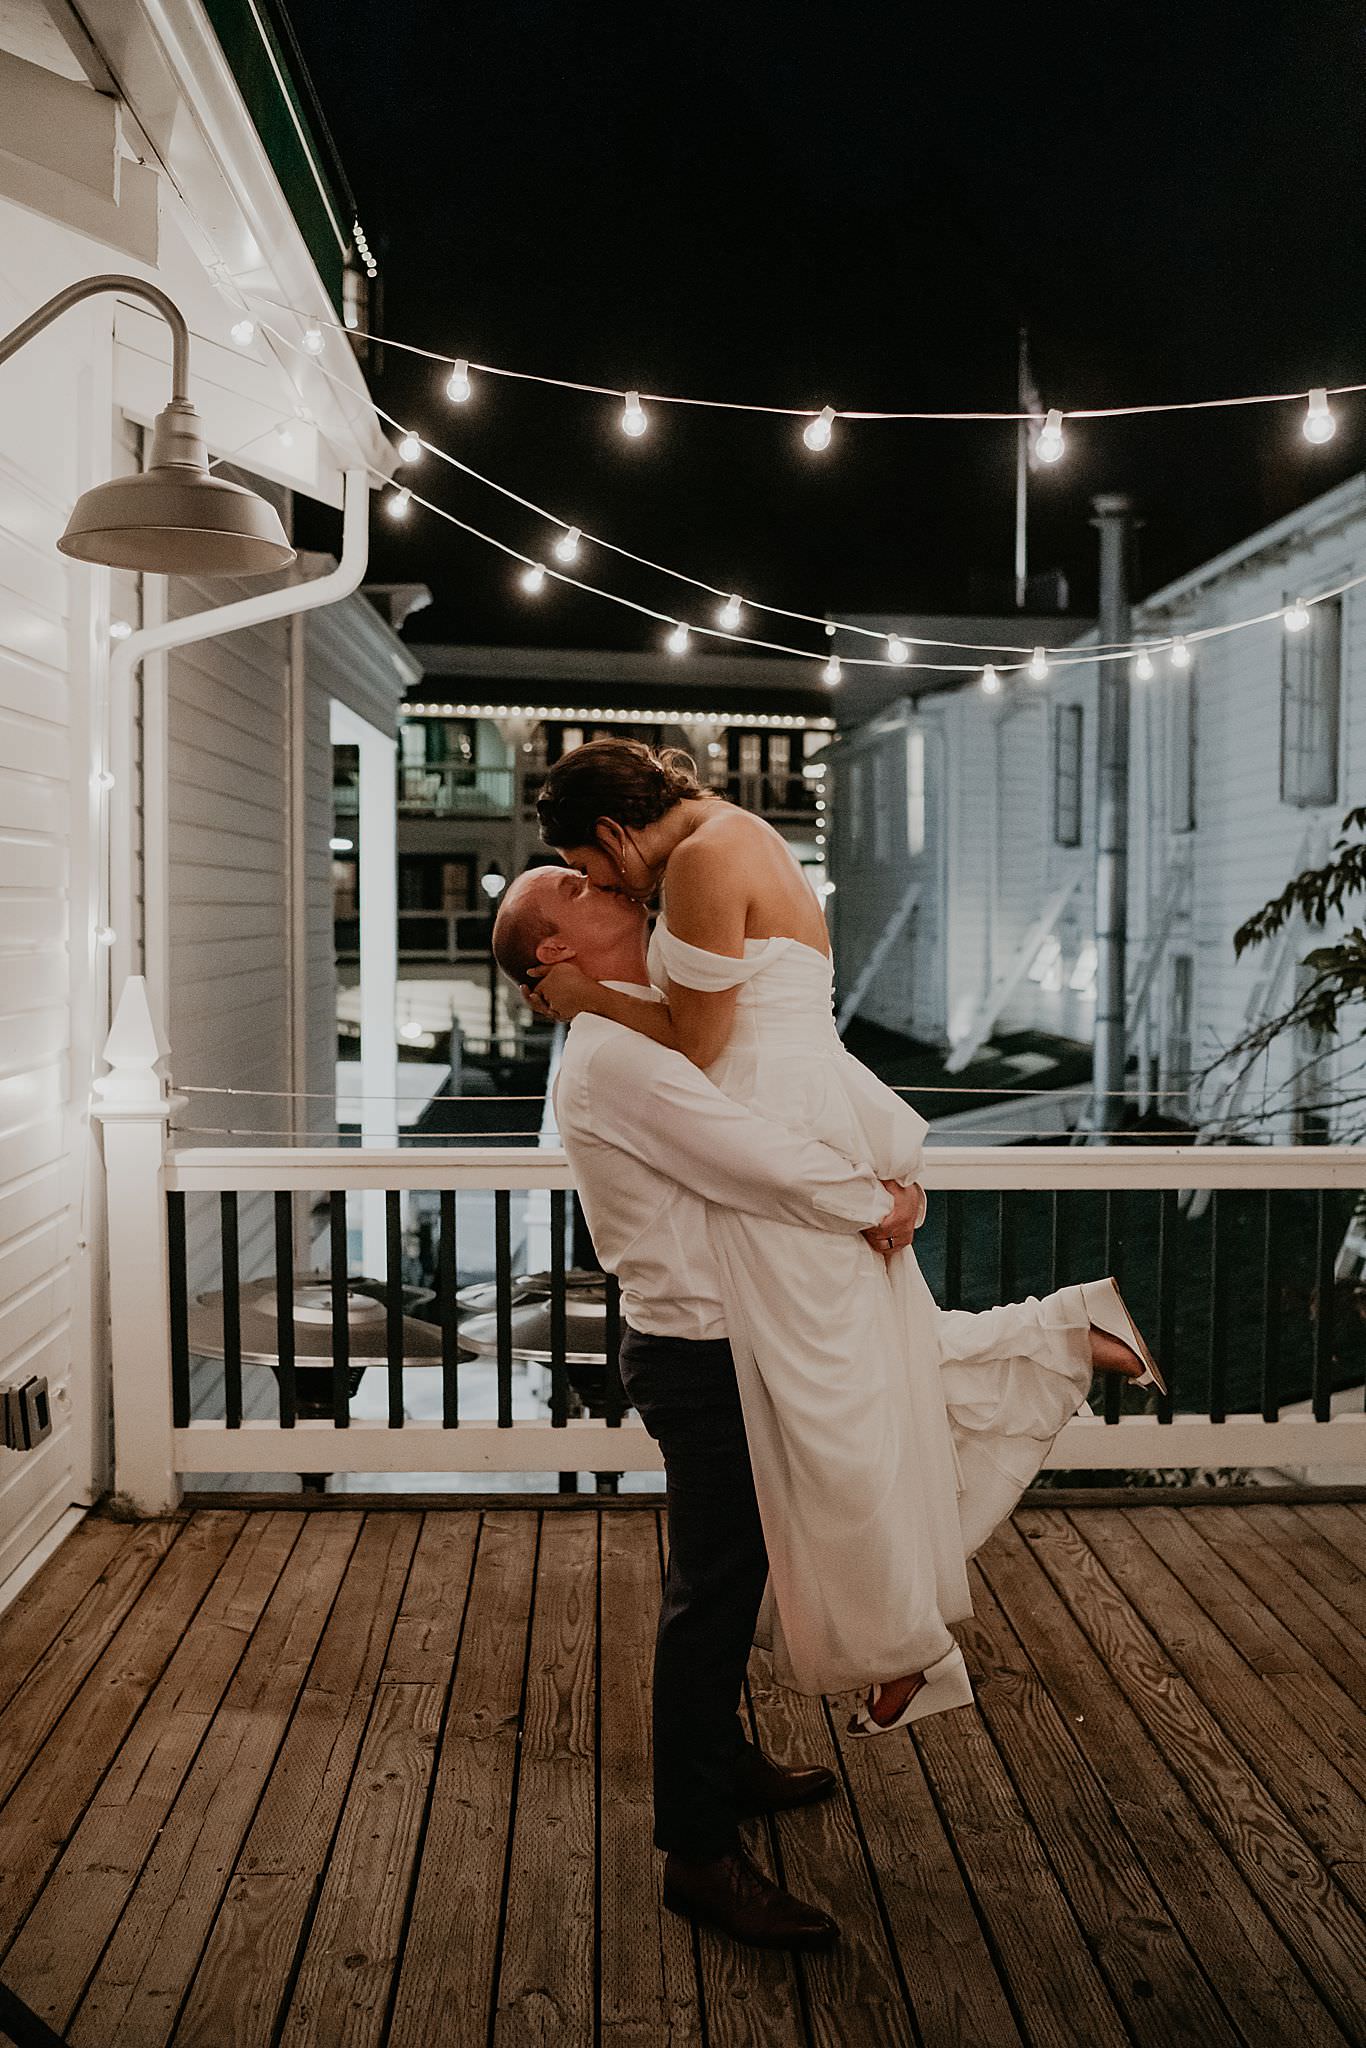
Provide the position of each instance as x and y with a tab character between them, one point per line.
652	1142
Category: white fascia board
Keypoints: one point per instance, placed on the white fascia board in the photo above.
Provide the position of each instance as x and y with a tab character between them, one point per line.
177	85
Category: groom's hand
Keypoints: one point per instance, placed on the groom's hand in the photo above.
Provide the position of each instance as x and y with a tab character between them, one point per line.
899	1225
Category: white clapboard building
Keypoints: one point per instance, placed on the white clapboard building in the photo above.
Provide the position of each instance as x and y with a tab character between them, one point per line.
175	826
963	833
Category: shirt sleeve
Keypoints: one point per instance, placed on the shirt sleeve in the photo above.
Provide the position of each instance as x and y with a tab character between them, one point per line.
655	1105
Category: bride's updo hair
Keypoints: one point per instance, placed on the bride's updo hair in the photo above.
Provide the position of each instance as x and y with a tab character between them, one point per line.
620	779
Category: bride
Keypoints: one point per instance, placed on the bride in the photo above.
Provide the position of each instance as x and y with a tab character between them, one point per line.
888	1437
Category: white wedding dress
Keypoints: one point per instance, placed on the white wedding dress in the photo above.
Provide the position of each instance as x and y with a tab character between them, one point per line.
888	1437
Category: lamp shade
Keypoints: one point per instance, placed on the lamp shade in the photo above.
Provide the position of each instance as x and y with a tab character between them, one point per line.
174	518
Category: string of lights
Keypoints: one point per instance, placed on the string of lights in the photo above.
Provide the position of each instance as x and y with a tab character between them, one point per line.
1038	664
1319	424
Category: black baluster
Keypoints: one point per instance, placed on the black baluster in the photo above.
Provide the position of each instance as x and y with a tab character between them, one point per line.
1005	1251
1271	1312
447	1287
615	1391
953	1248
1168	1260
232	1311
1325	1256
284	1308
1218	1311
1054	1239
180	1310
502	1232
1113	1381
341	1327
393	1302
559	1384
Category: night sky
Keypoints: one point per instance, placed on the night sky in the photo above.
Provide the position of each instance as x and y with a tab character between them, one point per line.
855	205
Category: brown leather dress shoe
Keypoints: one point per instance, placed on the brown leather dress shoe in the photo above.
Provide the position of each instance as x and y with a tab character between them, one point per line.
761	1786
733	1894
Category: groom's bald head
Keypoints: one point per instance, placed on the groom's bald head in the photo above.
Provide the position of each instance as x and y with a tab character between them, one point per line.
526	919
551	914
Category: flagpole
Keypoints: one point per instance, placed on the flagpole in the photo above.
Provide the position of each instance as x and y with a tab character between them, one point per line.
1022	477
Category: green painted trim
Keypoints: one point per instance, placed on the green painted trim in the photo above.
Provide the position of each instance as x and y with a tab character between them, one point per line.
249	42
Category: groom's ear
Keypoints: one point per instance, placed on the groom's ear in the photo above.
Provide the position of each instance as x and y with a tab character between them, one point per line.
552	951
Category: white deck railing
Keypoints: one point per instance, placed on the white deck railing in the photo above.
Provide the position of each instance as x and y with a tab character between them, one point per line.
152	1453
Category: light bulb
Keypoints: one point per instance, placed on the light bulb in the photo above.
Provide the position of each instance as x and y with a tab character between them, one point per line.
1048	447
104	780
410	1030
313	340
678	640
991	682
1319	424
1296	616
409	448
104	935
566	548
729	614
243	332
897	650
458	383
1038	667
816	433
532	579
350	319
399	503
342	845
1143	666
119	629
1181	654
633	420
820	803
830	629
832	673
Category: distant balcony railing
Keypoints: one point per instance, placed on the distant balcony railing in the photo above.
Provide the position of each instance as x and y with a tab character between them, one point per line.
443	789
772	796
437	935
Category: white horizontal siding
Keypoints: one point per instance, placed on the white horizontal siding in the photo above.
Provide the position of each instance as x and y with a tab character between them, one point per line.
39	976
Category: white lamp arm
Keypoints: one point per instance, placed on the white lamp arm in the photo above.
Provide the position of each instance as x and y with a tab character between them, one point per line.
86	288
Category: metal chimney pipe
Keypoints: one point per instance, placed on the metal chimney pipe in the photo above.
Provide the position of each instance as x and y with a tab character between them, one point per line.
1113	520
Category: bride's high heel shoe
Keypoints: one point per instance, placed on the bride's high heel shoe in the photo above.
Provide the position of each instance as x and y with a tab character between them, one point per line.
1105	1310
945	1684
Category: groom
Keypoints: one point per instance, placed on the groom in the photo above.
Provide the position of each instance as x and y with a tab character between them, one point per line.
652	1143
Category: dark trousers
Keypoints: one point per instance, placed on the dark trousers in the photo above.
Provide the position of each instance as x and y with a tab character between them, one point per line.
686	1395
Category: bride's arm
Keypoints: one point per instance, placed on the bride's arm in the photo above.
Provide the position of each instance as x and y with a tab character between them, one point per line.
707	908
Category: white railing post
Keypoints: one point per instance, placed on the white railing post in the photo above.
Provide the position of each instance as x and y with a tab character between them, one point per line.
133	1107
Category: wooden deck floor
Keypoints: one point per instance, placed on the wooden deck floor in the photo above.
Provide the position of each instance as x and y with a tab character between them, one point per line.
380	1776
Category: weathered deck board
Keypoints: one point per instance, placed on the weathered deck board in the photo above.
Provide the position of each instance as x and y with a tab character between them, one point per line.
55	1594
447	1983
381	1776
356	1941
244	1977
1249	1964
648	1994
1289	1879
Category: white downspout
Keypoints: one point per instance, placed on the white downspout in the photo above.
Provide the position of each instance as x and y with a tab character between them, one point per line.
123	665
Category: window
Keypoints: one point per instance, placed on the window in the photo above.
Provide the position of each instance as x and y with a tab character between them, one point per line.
915	791
855	812
1181	735
882	809
1311	681
1067	775
1180	1012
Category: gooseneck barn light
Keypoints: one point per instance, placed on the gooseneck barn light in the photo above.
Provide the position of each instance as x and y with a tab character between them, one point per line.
174	518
